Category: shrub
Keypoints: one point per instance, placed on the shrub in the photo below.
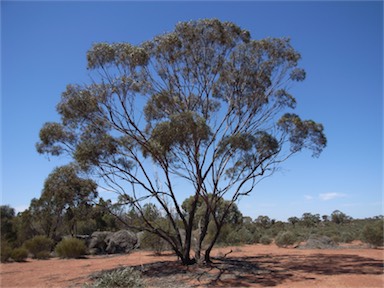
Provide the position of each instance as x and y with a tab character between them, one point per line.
70	248
43	255
265	240
153	242
373	233
6	251
242	236
39	246
346	237
256	236
126	277
319	242
285	239
333	231
19	254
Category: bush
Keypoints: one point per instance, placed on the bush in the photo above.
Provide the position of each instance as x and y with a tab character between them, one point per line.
6	251
373	233
127	277
153	242
330	232
285	239
19	254
256	236
242	236
39	246
70	248
346	237
43	255
265	240
319	242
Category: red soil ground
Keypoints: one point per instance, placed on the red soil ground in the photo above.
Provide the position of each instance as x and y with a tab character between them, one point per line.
245	266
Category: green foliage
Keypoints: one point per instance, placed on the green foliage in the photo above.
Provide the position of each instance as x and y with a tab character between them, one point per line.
70	248
266	240
118	54
263	222
125	277
7	216
233	215
49	134
257	234
241	236
226	229
150	241
300	131
339	217
103	213
276	228
6	251
293	220
310	220
347	237
285	239
65	200
19	254
373	233
25	226
182	128
39	246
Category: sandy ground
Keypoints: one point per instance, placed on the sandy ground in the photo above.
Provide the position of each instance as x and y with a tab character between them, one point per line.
245	266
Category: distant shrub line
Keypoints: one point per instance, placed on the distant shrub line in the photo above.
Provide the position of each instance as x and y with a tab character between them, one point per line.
339	228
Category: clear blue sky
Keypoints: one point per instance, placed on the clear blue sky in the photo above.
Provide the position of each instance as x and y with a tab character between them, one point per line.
43	48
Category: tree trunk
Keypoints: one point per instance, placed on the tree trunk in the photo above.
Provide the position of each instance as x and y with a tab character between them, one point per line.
188	232
186	258
202	234
207	255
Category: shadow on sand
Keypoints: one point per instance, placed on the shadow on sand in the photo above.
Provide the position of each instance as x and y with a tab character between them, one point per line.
263	270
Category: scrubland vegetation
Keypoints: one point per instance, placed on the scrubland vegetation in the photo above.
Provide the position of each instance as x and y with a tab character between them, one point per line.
123	277
17	243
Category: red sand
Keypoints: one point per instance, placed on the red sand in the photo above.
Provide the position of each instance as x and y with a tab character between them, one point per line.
245	266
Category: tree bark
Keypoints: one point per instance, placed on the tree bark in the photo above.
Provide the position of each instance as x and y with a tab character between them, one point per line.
207	254
202	234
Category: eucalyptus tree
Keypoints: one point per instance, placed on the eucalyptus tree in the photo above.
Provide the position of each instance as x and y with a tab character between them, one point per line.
204	105
339	217
7	218
65	199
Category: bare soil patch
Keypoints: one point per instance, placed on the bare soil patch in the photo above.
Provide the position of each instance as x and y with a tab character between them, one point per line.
245	266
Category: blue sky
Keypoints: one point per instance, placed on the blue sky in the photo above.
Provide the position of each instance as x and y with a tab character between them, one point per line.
43	48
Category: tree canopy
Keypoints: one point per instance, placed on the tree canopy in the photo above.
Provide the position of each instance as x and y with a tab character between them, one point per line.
205	103
65	199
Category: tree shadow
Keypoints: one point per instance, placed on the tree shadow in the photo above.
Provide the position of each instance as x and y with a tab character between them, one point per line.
263	270
267	270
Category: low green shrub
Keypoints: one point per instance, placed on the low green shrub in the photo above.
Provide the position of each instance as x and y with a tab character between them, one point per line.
150	241
6	251
373	233
346	237
19	254
70	248
43	255
126	277
39	246
265	240
256	237
285	239
242	236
